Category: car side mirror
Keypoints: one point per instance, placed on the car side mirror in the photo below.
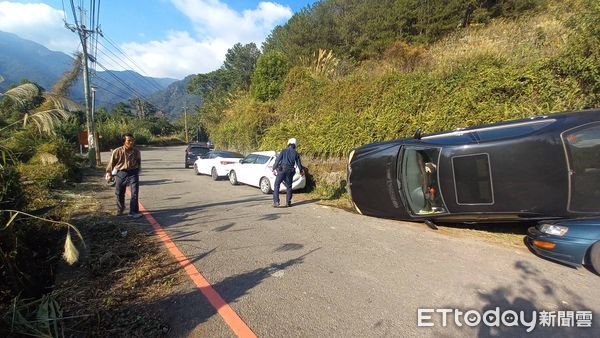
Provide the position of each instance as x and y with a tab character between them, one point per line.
242	161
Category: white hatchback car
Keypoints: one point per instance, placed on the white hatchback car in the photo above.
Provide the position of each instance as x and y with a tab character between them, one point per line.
216	163
256	170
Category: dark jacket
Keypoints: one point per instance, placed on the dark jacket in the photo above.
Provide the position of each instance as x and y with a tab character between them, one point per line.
287	158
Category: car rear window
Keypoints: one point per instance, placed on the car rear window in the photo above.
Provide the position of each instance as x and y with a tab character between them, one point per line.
473	179
262	159
250	159
230	154
199	150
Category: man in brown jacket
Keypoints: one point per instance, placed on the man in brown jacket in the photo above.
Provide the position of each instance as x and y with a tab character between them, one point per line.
128	162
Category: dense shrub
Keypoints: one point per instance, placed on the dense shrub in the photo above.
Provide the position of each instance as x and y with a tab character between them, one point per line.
46	177
269	75
244	125
11	192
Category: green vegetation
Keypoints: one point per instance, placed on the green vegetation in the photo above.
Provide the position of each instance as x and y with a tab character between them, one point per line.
362	72
35	161
362	30
267	80
38	161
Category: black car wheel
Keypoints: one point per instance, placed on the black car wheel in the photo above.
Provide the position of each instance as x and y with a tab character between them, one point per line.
213	174
196	169
595	257
233	178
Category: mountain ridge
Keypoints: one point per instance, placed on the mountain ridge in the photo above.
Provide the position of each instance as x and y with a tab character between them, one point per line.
23	59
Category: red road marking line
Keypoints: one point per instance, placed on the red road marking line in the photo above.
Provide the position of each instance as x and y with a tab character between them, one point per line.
237	324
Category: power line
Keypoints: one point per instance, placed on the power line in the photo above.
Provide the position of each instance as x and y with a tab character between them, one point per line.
108	90
89	38
124	65
121	81
83	33
130	59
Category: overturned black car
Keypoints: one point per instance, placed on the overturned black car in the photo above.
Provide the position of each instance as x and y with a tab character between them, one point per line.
537	168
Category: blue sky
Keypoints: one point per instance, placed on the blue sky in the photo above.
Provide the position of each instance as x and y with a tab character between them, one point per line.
165	38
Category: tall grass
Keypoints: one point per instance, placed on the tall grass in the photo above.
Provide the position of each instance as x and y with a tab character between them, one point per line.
504	70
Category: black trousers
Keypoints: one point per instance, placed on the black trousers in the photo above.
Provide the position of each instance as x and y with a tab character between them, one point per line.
286	176
122	179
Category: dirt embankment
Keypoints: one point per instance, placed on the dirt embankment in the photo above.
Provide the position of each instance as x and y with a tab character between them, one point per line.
118	287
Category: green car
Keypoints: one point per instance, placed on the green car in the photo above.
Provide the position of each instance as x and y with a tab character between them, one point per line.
574	242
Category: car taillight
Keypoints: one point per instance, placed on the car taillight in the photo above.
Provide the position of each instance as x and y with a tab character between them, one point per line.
226	162
270	167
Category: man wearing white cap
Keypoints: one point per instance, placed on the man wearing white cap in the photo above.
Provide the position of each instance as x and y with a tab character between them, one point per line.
284	169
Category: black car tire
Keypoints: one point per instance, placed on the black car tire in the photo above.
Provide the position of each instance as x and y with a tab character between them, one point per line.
595	257
213	174
186	164
265	185
196	169
233	178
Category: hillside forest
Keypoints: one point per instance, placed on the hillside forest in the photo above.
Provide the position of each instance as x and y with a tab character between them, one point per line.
343	73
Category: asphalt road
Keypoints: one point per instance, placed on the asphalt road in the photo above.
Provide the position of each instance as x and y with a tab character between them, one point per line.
312	270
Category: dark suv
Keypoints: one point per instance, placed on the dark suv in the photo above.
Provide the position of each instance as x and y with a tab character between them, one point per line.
530	169
195	150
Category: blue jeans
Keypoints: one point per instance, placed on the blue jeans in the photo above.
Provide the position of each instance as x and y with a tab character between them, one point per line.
122	179
285	176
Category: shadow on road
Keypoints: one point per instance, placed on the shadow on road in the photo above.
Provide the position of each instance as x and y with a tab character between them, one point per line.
224	227
525	294
158	182
310	201
187	310
290	247
170	217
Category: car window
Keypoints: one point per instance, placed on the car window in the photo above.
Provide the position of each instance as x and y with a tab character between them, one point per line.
230	154
262	159
472	179
418	174
583	153
199	150
250	158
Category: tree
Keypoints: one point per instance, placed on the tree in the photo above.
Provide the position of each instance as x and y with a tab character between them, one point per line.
45	110
121	110
52	110
358	29
239	65
269	75
217	86
143	109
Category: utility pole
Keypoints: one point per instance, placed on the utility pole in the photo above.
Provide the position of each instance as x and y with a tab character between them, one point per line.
83	32
96	140
185	124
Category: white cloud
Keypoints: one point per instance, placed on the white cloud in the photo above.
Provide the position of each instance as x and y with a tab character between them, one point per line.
214	19
38	22
177	56
217	27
